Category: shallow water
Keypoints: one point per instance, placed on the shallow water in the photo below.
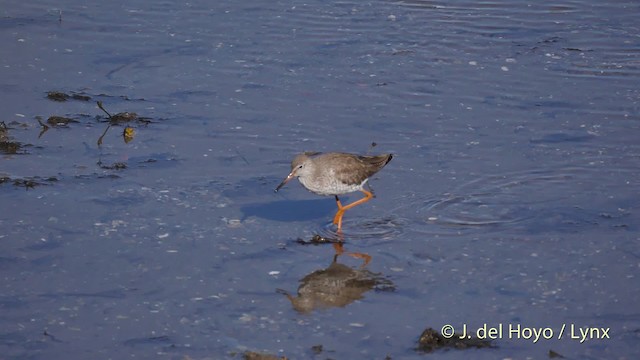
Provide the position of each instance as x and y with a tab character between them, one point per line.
512	198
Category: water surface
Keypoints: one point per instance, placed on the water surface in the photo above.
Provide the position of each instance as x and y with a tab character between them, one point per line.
512	198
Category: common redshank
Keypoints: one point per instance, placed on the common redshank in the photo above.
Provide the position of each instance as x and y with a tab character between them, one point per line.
336	174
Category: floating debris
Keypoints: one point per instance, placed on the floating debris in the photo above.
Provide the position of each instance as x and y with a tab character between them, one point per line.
318	240
128	134
317	349
60	121
431	340
4	130
27	183
45	127
61	97
8	146
114	166
57	96
124	117
252	355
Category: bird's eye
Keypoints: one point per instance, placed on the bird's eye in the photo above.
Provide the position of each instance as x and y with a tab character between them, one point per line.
299	166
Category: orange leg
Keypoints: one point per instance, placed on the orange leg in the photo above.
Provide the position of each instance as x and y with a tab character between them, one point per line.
337	220
338	217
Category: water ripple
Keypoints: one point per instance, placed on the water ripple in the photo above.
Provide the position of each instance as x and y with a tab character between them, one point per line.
385	228
533	200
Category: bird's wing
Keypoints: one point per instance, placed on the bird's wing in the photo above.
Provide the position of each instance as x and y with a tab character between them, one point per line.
354	169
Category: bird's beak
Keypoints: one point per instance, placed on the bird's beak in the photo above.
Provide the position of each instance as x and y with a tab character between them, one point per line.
286	180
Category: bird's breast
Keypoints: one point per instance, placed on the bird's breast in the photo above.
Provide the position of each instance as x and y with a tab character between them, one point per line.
329	186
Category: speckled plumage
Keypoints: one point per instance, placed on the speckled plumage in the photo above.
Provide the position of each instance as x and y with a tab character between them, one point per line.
336	174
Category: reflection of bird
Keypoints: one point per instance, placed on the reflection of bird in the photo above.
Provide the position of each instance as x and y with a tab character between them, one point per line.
336	174
336	286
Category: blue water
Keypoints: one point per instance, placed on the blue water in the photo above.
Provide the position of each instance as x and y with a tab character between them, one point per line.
512	198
